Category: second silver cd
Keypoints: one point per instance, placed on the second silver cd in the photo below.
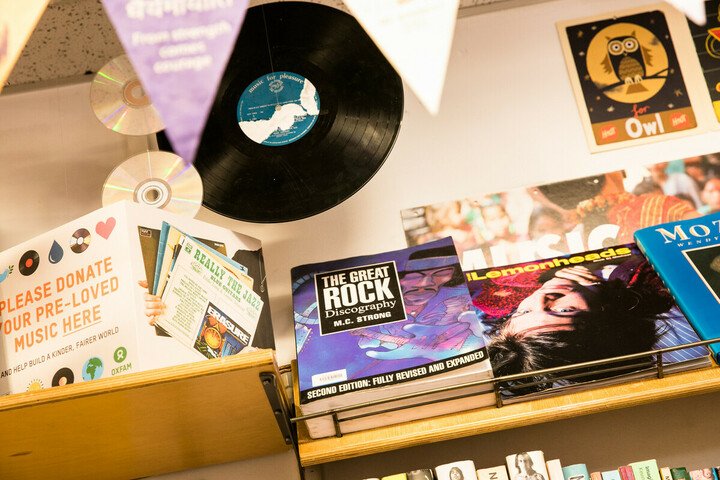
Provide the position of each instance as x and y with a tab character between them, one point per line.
156	179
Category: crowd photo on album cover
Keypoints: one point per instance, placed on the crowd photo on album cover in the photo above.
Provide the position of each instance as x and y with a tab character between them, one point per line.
587	213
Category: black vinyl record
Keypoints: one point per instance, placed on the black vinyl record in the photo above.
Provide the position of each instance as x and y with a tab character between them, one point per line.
324	157
29	262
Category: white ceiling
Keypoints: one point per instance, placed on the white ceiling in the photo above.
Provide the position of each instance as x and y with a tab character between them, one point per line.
74	37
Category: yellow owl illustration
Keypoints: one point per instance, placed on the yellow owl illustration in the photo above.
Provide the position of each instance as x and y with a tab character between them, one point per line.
627	59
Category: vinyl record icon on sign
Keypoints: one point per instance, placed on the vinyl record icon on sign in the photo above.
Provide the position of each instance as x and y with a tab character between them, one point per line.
298	125
64	376
80	240
29	262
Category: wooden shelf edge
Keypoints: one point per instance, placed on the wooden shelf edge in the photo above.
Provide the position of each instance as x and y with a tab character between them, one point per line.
120	425
490	419
140	379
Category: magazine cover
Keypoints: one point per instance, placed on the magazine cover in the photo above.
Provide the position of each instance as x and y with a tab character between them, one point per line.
686	255
626	77
578	308
587	213
382	319
706	39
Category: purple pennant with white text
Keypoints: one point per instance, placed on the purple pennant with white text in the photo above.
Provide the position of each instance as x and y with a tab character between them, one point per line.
179	49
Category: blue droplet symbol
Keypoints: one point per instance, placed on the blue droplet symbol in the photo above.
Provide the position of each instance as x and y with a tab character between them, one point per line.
4	274
56	253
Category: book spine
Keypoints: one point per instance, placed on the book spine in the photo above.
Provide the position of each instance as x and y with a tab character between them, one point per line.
464	469
696	474
523	465
679	473
595	476
578	471
554	469
646	470
611	475
626	472
665	473
493	473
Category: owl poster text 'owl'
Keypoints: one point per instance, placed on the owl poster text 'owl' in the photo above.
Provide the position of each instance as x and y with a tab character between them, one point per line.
628	75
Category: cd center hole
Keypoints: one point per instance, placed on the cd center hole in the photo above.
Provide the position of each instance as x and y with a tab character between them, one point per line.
152	195
137	92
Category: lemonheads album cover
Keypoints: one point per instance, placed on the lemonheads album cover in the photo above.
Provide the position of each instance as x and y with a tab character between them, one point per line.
627	78
706	39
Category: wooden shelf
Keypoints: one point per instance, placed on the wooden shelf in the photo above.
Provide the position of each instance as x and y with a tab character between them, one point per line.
142	424
492	419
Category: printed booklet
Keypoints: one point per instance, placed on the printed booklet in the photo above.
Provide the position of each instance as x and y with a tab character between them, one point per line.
686	255
373	327
72	304
577	308
210	305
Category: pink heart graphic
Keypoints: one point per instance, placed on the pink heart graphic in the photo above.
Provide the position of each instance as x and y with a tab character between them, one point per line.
104	229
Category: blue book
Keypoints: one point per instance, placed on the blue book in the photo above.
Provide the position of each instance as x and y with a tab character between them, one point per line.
686	255
578	471
611	475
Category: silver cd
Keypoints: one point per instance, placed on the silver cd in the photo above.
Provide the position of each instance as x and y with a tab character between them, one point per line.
156	179
120	102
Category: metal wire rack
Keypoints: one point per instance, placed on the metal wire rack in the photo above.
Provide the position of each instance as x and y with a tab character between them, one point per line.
649	362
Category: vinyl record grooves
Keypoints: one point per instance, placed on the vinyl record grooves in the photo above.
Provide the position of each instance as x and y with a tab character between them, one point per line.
317	158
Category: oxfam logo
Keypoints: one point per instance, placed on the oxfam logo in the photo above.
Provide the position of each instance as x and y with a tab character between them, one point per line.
276	86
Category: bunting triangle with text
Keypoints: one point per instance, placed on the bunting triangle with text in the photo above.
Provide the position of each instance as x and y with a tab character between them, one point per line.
179	49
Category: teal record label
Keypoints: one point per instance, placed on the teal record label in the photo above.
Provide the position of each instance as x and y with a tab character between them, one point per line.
278	108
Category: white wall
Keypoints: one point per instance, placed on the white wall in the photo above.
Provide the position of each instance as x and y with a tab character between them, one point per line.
508	118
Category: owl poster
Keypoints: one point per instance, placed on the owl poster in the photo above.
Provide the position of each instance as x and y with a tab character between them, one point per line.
706	40
627	78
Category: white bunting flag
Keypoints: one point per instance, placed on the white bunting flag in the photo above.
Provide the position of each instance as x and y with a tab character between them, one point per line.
17	22
415	36
693	9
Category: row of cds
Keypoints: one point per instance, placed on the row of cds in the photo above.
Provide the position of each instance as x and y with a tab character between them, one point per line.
297	125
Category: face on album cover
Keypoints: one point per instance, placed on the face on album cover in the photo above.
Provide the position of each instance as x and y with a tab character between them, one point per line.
577	308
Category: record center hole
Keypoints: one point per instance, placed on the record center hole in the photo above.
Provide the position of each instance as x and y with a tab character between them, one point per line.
151	195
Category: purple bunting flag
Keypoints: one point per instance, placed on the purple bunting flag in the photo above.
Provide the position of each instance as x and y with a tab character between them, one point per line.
179	49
